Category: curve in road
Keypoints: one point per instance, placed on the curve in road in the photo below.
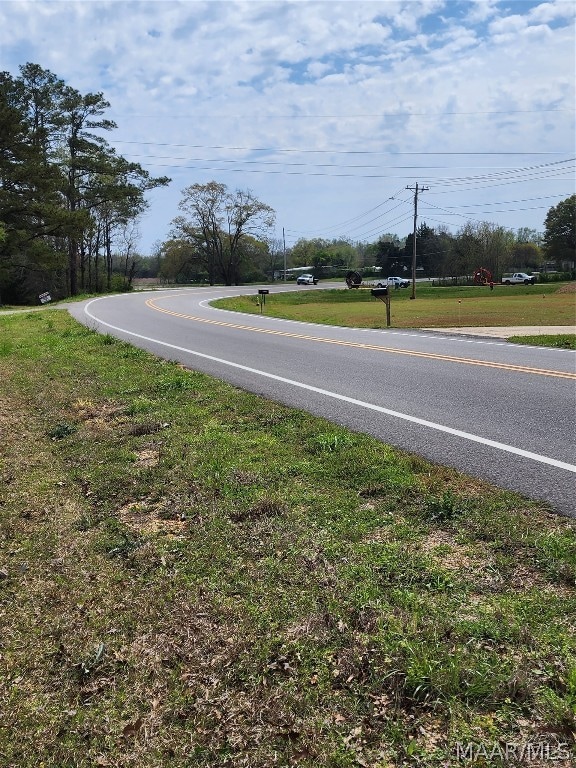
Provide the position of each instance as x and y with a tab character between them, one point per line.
502	415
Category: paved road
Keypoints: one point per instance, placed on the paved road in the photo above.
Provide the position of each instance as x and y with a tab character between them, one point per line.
498	411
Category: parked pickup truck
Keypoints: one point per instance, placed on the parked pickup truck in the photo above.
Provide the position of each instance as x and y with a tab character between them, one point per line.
519	277
397	282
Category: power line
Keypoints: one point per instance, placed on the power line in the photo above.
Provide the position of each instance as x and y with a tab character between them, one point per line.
499	210
283	173
357	116
315	165
504	174
364	235
502	202
452	183
384	227
451	190
362	215
335	151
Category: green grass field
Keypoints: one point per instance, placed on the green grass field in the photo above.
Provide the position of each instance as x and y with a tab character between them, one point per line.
546	304
193	576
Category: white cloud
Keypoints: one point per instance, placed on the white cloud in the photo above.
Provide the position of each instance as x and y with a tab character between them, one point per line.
456	41
508	25
407	16
482	10
332	76
317	69
554	10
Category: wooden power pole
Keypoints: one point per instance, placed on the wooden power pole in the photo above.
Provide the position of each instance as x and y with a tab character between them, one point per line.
416	190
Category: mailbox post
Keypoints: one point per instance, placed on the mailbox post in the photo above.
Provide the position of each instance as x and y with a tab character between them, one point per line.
383	295
262	293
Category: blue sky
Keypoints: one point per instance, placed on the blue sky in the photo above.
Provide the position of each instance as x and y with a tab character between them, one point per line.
327	111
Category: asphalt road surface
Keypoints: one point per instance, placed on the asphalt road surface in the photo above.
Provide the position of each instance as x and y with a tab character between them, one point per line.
494	410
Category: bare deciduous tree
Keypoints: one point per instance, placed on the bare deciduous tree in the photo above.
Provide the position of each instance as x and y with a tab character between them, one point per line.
216	222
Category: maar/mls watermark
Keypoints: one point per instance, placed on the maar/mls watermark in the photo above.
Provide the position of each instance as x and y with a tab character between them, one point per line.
528	752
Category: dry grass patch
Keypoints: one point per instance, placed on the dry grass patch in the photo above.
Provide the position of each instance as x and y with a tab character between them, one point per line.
151	518
148	457
449	554
97	417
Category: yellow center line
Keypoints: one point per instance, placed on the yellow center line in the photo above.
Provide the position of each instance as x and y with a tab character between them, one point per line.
428	355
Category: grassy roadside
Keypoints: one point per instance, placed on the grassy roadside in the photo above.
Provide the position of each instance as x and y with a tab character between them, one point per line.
192	576
546	304
559	340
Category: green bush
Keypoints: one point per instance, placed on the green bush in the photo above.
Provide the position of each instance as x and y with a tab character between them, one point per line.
120	284
555	277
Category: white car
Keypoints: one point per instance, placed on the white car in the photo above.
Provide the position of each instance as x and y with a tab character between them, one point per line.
306	280
397	282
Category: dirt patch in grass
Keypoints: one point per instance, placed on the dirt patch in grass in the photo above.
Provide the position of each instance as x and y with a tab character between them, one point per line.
150	519
449	553
148	457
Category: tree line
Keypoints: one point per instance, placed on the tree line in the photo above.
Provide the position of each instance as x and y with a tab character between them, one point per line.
483	245
69	208
68	202
205	247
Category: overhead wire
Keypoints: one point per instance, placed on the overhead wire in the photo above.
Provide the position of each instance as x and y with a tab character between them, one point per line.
314	165
539	169
301	115
338	151
496	176
367	213
395	221
485	179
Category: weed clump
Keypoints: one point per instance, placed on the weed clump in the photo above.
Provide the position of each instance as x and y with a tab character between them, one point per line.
445	508
60	431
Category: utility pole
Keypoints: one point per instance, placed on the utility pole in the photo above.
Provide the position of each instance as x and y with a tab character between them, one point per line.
284	241
415	189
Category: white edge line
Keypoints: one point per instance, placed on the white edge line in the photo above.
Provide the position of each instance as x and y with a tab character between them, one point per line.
344	398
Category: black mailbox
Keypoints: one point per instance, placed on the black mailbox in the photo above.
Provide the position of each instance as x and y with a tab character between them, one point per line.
379	292
263	292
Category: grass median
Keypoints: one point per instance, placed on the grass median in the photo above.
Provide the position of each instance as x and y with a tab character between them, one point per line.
434	307
193	576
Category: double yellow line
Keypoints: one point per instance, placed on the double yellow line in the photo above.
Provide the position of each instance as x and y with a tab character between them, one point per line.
392	350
